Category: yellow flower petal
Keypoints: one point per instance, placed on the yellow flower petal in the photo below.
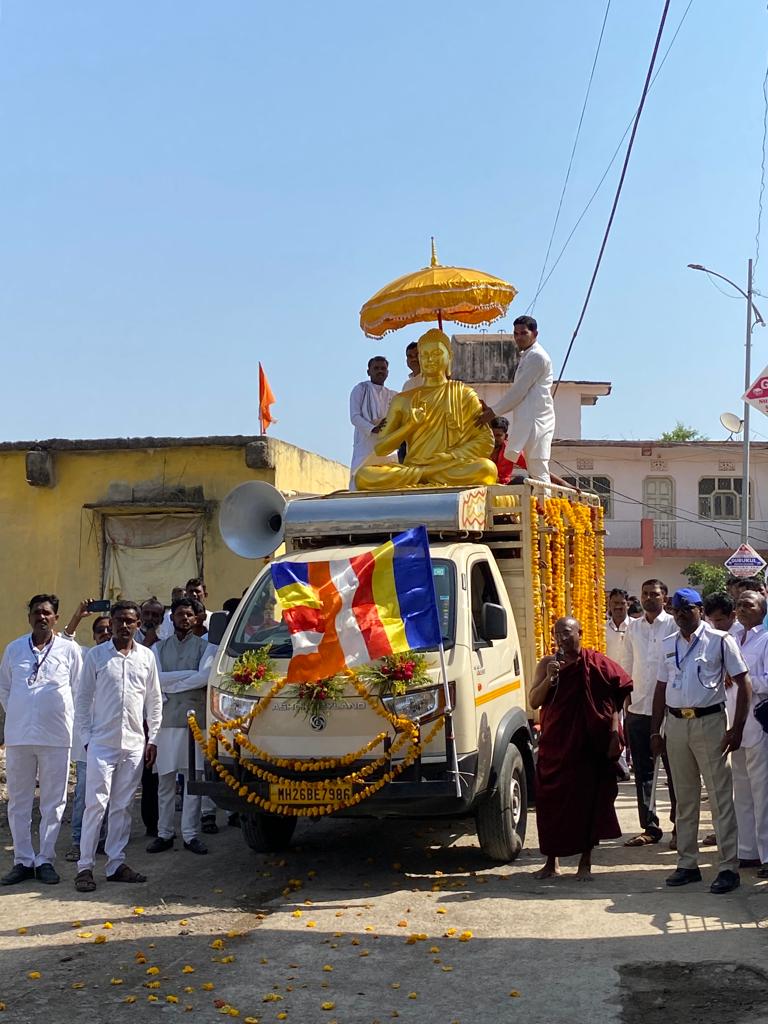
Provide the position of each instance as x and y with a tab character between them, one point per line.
364	952
465	936
282	1015
128	999
115	981
402	924
76	924
100	939
441	910
189	988
327	967
251	1020
77	984
445	967
208	986
328	1006
85	935
434	949
183	923
311	924
413	995
138	910
153	970
395	984
217	944
171	999
151	984
187	969
514	993
107	925
34	975
151	999
21	931
450	932
297	913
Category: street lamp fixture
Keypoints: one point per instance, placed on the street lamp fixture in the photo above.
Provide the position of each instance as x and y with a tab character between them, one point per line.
751	309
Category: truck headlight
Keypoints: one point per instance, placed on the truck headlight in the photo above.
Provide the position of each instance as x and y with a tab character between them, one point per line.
226	705
418	705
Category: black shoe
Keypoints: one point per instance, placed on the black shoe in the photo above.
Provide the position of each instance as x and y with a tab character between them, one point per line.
195	846
682	876
208	824
18	873
726	881
46	874
750	862
159	845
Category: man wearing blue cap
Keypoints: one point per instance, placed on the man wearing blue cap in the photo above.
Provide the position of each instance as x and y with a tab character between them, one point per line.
691	689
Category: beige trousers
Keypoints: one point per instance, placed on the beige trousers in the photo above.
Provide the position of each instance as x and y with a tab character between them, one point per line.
693	749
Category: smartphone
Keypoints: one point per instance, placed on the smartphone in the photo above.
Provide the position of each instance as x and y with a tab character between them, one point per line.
98	606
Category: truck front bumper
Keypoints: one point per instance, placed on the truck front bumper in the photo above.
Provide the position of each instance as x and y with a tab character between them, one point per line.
432	794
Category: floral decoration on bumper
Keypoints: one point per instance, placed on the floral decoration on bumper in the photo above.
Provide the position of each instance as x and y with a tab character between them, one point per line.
396	674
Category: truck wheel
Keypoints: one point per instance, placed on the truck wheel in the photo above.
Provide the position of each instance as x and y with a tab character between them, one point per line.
502	814
267	833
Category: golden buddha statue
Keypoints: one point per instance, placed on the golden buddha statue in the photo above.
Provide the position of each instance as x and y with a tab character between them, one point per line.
446	446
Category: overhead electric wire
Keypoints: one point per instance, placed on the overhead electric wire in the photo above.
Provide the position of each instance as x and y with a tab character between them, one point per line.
619	187
675	511
616	151
573	154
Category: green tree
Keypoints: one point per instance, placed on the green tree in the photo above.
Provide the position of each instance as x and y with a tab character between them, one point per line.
706	578
682	433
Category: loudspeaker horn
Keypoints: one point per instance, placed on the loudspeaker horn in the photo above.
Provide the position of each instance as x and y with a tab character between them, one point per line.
251	519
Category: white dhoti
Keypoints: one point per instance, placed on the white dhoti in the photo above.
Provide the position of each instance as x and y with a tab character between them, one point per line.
750	796
25	764
112	777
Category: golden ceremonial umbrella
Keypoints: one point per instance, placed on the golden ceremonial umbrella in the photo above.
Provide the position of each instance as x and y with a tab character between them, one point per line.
436	293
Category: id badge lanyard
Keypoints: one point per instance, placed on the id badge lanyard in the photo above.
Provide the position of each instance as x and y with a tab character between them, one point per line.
679	662
39	661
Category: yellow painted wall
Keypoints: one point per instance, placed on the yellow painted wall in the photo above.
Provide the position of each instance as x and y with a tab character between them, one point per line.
50	543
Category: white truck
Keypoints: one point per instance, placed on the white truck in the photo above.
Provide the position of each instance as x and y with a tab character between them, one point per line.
492	558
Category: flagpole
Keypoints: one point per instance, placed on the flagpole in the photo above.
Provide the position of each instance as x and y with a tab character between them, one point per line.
450	739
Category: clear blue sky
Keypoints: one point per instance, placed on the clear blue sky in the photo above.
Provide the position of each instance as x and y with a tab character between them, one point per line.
189	188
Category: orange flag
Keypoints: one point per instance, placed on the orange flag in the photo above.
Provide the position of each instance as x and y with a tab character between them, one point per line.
266	399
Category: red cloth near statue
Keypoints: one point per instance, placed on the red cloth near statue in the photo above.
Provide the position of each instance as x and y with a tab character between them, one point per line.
505	466
576	783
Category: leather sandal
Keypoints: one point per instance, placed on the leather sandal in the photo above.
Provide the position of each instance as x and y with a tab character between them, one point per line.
126	874
644	839
84	881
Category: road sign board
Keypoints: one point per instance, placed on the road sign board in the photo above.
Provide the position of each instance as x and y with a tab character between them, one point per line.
757	394
745	561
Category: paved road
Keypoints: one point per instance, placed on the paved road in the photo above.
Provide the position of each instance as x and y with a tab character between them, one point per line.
380	922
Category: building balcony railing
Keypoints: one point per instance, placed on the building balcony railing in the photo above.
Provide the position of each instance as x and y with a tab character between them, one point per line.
660	535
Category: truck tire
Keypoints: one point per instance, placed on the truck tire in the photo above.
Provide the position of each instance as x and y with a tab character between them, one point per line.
502	814
267	833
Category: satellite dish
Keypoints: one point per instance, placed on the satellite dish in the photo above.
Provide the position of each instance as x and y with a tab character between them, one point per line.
251	519
732	422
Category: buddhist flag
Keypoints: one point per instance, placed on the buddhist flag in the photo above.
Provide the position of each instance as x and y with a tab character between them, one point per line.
266	399
350	611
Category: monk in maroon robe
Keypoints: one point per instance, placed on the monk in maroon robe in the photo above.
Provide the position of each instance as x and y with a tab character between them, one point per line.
580	693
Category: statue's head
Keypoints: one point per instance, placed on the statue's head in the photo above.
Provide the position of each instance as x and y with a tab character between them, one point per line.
435	353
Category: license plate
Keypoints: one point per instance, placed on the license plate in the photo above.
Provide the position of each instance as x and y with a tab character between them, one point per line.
310	792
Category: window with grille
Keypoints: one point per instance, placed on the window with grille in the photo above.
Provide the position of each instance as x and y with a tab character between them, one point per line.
720	497
600	485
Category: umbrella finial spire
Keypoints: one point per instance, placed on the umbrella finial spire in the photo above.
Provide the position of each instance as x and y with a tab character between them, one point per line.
433	261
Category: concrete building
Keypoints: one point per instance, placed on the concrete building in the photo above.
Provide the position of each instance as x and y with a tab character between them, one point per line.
666	505
132	516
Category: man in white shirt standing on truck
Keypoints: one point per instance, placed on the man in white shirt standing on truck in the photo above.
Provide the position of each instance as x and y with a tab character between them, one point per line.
119	689
368	405
529	399
37	676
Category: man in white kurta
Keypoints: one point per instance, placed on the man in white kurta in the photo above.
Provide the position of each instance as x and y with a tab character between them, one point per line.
368	406
750	762
529	399
183	663
119	690
37	676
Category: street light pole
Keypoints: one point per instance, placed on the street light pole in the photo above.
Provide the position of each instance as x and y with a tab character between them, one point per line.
747	383
751	308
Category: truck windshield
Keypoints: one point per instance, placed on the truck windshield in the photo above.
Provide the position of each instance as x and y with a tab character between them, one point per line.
259	622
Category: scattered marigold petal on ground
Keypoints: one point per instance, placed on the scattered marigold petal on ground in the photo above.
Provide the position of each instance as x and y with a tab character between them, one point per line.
138	910
187	969
77	984
100	939
33	975
514	993
171	999
128	999
153	970
217	944
207	986
107	925
327	967
328	1006
21	931
115	981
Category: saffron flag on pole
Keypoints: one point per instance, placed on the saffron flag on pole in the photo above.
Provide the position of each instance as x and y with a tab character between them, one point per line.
266	399
350	611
